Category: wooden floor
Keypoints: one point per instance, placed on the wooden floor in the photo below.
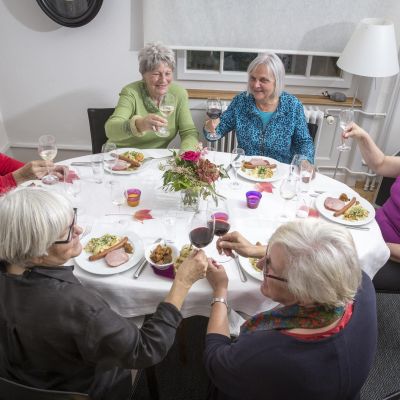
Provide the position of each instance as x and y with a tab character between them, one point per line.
359	188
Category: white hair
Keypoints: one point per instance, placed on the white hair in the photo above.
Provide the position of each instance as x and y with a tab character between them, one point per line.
31	220
153	54
274	66
321	261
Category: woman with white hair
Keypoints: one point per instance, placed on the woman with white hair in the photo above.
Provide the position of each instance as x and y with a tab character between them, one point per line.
319	343
267	120
137	117
57	334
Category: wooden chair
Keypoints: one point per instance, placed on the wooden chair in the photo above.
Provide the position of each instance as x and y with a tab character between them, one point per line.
10	390
97	120
387	279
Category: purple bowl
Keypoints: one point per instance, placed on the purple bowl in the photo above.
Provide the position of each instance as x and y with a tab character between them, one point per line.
166	273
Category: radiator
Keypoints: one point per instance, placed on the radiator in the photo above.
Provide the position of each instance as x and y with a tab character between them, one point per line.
314	116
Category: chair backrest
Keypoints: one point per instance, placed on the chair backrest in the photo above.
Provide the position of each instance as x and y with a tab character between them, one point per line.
16	391
227	143
313	129
97	120
383	192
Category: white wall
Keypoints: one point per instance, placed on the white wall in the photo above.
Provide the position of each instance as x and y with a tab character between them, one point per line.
50	75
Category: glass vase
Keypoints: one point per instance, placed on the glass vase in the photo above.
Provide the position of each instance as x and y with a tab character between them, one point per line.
190	200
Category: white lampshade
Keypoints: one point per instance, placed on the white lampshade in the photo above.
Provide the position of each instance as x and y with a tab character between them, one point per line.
372	50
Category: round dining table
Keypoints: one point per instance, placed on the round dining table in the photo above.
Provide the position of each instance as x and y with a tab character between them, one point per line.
130	297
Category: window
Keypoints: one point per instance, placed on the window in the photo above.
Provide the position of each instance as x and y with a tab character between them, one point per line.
231	66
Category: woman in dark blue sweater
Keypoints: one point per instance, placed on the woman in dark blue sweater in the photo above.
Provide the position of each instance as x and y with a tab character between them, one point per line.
321	342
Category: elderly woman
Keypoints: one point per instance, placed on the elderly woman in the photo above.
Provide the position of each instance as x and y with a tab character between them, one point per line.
14	172
267	121
320	343
55	333
137	117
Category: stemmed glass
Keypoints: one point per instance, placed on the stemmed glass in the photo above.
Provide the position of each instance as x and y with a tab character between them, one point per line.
117	194
288	191
110	155
237	157
346	117
47	150
222	224
201	229
166	107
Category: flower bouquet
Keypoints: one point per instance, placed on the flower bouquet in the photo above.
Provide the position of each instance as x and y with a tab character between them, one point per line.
193	174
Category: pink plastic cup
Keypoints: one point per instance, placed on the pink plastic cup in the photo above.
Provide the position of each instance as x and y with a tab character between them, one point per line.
253	198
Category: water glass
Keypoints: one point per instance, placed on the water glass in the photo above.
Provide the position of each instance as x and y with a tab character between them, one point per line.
97	167
237	158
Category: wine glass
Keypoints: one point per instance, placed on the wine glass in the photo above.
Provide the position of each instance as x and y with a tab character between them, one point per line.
237	158
47	150
117	194
346	117
110	155
166	107
288	190
201	229
222	224
214	108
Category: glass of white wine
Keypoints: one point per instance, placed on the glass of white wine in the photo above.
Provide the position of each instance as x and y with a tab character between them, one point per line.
47	150
167	107
346	117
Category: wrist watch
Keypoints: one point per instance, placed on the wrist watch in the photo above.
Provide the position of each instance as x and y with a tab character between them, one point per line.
219	300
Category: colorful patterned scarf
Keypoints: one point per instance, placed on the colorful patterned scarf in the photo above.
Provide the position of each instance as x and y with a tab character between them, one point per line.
290	317
147	101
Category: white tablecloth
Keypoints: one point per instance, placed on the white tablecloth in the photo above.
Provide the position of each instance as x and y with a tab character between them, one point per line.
133	297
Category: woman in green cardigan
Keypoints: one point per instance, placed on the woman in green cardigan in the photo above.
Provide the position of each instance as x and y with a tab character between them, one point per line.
137	118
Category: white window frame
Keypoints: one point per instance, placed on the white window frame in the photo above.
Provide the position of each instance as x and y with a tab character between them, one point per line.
182	73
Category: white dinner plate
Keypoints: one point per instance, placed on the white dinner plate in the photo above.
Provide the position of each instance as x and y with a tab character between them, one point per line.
278	172
319	204
100	267
145	163
249	269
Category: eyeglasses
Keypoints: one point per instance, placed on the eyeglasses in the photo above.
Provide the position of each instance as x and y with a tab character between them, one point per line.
266	269
71	228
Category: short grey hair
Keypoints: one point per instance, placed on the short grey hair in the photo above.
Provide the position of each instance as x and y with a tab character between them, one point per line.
275	67
32	219
321	262
153	54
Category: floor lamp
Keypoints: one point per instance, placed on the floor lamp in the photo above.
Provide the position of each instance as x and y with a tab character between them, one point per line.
371	52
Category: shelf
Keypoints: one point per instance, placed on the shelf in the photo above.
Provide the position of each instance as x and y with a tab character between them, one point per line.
306	99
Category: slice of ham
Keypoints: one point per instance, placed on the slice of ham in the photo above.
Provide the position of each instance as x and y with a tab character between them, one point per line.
258	162
333	204
120	165
116	257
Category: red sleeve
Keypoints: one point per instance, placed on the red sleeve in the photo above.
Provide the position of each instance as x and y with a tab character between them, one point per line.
7	166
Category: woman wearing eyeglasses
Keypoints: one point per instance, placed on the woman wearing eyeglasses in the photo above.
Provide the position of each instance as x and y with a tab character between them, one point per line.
57	334
320	343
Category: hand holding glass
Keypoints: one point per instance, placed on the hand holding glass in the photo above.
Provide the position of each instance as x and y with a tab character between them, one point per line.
47	150
346	117
167	107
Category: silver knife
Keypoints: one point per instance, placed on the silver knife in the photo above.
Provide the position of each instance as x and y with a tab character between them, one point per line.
231	164
360	228
82	163
140	268
242	275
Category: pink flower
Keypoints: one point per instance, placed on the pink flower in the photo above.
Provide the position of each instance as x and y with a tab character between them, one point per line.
192	156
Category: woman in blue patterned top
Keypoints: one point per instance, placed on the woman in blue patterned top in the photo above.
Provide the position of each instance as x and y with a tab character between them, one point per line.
268	121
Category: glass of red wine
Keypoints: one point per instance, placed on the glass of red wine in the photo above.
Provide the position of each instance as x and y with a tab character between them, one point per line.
201	229
214	111
222	224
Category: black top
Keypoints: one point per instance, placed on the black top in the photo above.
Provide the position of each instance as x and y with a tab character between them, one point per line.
57	334
272	365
